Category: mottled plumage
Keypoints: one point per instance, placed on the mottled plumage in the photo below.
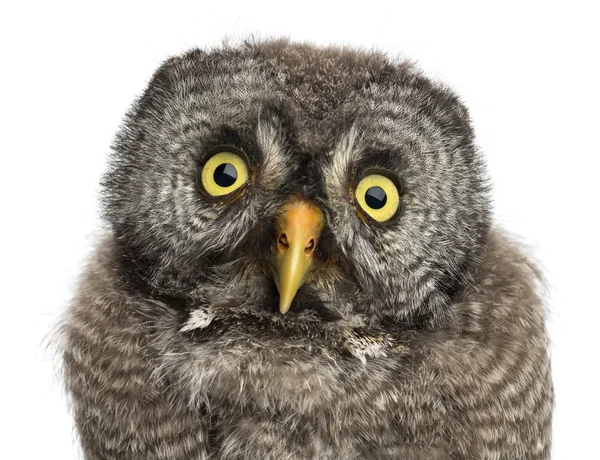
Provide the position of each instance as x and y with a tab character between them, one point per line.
418	338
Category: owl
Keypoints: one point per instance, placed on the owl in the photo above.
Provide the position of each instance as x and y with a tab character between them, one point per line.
300	262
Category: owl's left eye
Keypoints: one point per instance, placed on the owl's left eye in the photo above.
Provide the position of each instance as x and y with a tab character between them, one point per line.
224	173
378	196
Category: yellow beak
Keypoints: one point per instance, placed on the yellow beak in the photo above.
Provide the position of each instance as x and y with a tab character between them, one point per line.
299	224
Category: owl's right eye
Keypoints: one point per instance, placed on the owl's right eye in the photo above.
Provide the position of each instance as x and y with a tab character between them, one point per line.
224	173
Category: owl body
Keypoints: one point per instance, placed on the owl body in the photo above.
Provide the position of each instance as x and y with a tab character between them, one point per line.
416	332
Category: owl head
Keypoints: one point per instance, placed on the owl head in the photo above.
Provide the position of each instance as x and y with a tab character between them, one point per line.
285	180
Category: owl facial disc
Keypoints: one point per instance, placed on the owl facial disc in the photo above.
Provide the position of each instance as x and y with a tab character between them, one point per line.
299	224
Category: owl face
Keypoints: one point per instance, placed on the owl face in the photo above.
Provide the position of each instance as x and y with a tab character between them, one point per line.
275	177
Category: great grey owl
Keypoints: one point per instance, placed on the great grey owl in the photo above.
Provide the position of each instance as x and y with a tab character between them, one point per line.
300	263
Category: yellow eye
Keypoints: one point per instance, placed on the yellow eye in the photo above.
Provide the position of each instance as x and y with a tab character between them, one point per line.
378	196
223	173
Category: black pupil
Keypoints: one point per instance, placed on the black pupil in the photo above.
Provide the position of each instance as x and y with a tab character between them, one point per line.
225	175
375	197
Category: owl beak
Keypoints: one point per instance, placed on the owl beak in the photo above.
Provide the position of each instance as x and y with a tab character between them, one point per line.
299	224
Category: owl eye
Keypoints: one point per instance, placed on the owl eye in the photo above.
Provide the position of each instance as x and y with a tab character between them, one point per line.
378	197
224	173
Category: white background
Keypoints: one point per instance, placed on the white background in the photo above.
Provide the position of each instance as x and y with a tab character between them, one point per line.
527	70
